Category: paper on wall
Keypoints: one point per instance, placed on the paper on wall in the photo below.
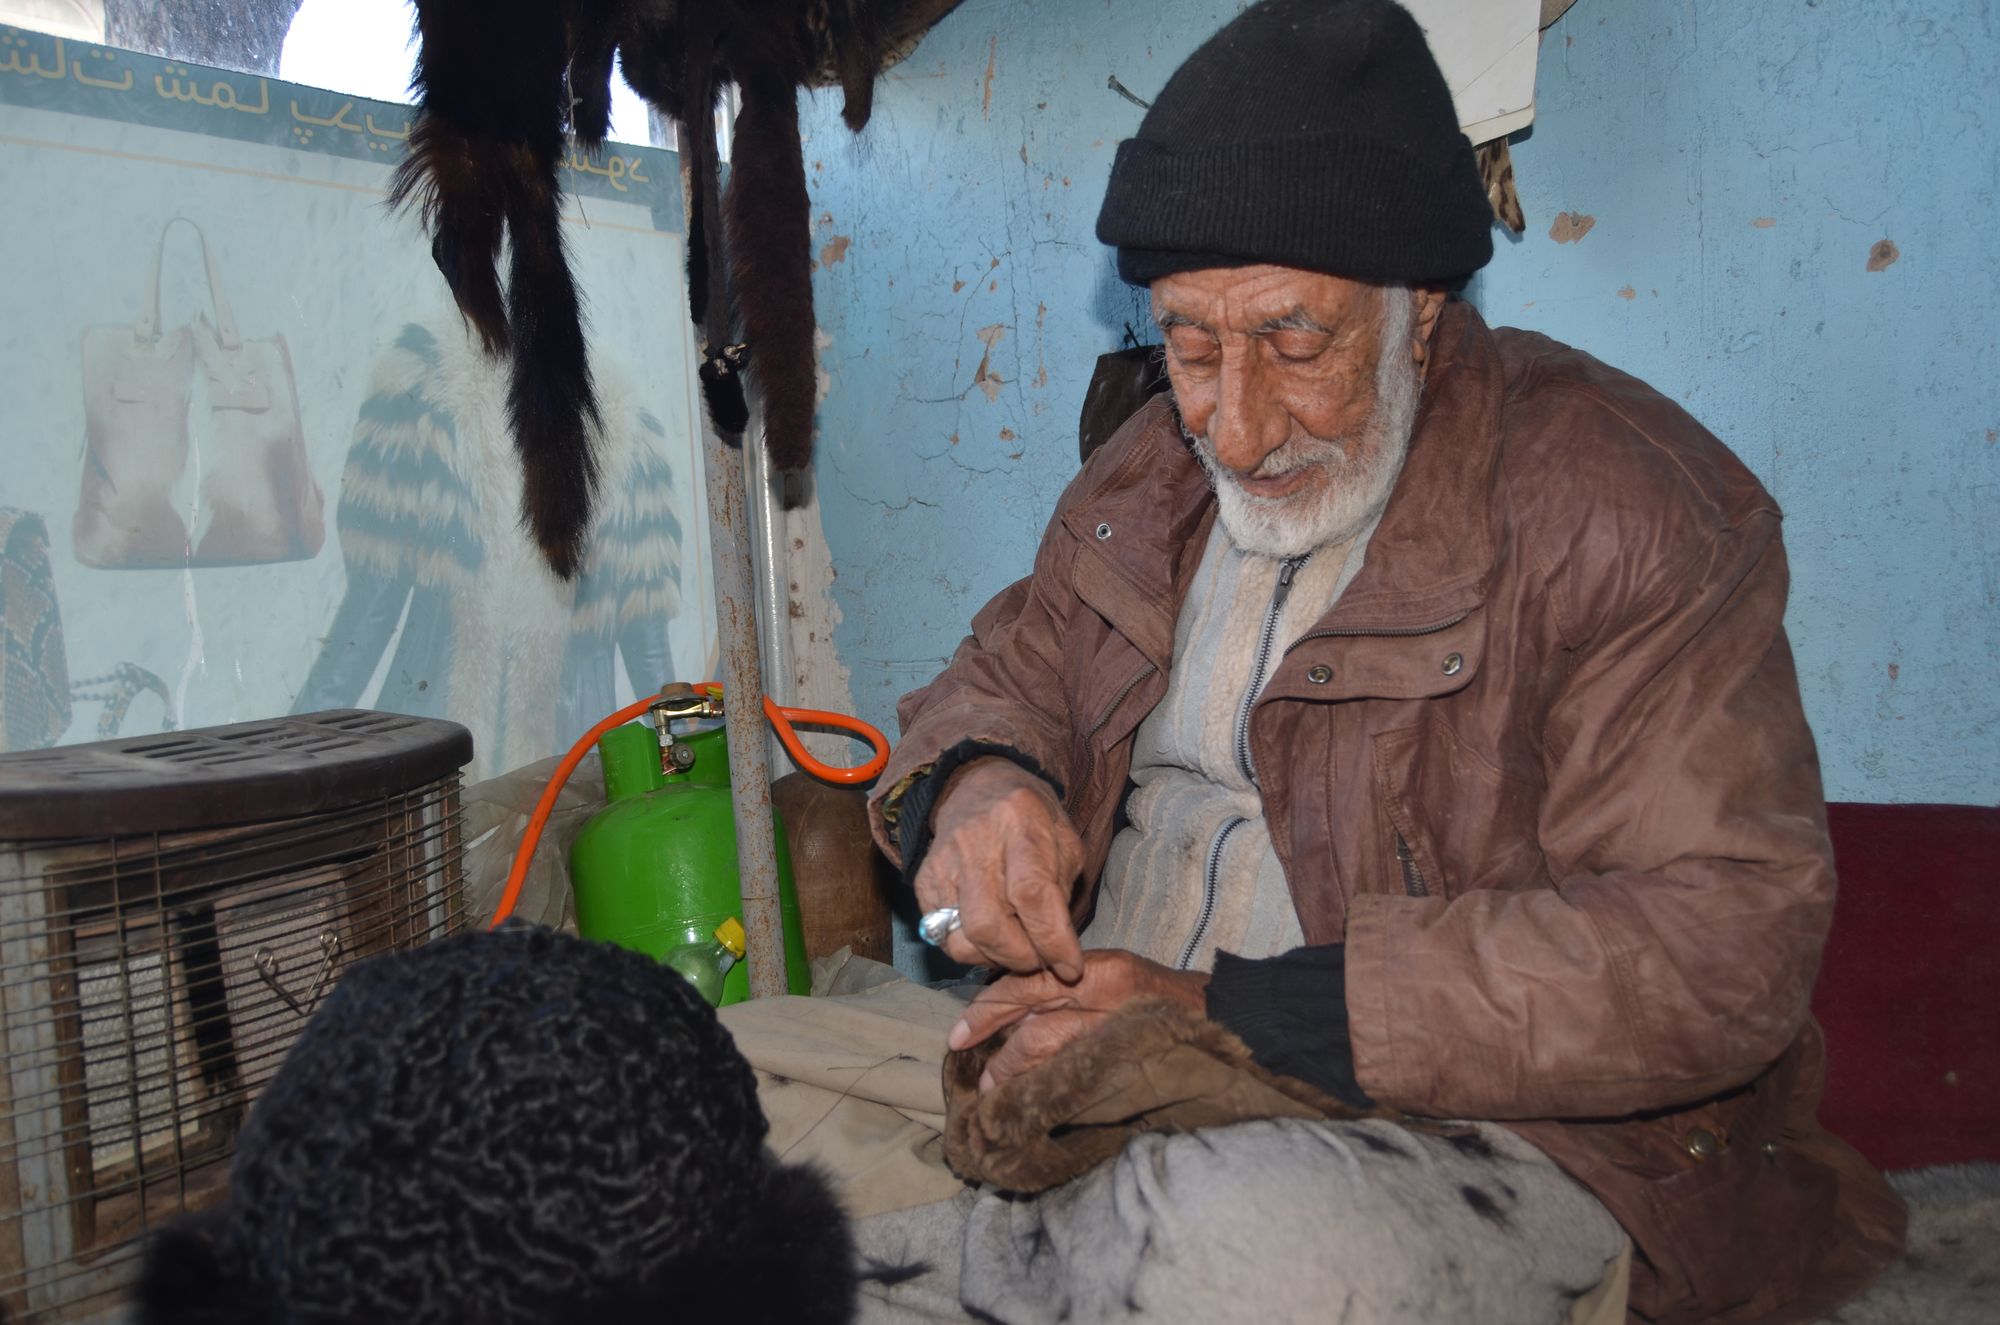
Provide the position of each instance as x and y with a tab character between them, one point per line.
1487	50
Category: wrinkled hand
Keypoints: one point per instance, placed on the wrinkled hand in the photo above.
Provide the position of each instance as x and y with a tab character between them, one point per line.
1004	853
1047	1013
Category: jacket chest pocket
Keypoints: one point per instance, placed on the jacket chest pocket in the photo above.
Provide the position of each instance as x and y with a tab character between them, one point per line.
1453	822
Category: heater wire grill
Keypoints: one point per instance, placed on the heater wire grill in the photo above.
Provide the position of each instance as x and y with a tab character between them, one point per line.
150	984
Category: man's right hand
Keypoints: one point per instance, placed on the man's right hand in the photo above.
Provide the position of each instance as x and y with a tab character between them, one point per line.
1004	853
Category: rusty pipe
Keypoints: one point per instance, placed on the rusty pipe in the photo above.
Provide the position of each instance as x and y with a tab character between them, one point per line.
743	717
729	533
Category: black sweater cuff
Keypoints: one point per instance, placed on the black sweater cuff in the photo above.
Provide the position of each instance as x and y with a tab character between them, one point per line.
1291	1010
913	812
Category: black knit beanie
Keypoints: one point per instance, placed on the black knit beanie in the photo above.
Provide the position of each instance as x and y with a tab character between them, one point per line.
1307	133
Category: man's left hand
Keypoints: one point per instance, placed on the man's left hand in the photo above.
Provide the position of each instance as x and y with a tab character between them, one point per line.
1047	1014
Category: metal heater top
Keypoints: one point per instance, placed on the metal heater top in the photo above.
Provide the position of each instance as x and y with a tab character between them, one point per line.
222	775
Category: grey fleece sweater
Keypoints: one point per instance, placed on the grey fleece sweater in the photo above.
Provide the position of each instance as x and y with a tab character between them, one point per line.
1194	872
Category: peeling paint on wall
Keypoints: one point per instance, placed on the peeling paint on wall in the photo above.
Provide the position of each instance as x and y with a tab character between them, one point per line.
985	378
821	679
1569	227
992	65
1765	168
1741	163
823	377
1041	360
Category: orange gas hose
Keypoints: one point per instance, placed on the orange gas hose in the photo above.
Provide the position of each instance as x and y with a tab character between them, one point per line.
781	719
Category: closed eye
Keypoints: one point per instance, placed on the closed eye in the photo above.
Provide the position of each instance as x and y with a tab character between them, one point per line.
1298	346
1192	345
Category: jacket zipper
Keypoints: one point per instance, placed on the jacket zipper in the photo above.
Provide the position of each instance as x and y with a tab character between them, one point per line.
1211	877
1413	875
1090	737
1286	573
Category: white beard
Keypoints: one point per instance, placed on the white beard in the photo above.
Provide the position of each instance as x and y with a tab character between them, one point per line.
1358	472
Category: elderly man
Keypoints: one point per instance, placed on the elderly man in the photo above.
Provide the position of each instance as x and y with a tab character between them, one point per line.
1413	698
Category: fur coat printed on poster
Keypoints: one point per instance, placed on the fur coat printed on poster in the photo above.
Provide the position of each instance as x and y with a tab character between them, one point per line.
34	670
428	520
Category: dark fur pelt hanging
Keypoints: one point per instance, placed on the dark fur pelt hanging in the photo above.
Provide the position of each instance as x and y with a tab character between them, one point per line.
503	83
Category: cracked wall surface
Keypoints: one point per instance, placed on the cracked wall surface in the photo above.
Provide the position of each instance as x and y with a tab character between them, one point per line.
968	307
1793	215
1709	186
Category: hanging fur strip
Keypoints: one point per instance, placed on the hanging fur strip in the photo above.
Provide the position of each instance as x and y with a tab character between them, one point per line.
769	219
483	162
1496	172
502	83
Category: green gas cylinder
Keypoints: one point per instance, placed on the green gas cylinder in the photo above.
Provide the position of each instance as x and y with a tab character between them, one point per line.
655	869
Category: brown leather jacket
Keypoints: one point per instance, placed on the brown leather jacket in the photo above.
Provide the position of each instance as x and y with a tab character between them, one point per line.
1543	767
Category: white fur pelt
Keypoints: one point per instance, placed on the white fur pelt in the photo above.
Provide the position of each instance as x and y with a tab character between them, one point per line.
1949	1272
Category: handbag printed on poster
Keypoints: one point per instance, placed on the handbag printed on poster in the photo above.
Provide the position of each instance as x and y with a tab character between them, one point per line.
156	401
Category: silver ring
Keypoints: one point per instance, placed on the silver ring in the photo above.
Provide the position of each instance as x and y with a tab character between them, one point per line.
938	925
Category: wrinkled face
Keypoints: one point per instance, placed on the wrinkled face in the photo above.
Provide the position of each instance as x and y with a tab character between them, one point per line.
1298	391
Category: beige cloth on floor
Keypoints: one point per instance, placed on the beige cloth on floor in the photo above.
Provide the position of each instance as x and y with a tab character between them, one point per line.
851	1080
1605	1304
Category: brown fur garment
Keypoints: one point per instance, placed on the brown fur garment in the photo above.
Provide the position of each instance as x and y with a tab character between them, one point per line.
485	148
769	219
1152	1066
503	83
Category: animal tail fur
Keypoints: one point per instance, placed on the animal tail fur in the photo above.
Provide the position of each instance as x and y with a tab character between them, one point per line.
860	46
444	176
593	48
550	396
489	83
708	279
493	80
770	250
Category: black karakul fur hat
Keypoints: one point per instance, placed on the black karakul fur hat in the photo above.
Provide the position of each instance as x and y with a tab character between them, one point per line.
512	1128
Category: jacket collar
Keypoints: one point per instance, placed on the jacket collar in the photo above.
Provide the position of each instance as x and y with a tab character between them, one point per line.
1140	528
1142	525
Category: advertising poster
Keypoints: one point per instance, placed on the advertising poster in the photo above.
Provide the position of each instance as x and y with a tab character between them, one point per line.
253	463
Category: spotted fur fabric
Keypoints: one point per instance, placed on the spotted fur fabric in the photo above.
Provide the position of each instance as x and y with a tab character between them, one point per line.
1496	172
1949	1272
513	1128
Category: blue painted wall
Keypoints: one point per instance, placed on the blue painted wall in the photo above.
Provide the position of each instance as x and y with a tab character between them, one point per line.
1731	168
